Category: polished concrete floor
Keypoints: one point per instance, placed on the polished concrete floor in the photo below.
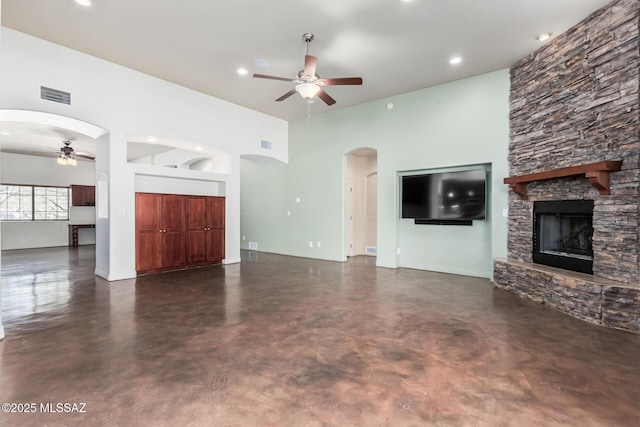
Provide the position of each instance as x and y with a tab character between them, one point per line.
282	341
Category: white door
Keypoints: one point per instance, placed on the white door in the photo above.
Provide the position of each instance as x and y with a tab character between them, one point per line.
349	219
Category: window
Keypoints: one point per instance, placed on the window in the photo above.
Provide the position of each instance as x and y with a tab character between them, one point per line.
30	202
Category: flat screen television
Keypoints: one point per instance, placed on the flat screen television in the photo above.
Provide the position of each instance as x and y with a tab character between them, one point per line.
444	196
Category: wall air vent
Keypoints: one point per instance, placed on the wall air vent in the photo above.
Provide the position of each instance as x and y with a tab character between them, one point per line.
265	144
55	95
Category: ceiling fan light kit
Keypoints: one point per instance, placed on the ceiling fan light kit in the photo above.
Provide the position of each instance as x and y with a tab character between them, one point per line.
308	84
67	161
307	90
67	155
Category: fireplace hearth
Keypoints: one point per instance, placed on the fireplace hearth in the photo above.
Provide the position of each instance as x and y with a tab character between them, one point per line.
563	234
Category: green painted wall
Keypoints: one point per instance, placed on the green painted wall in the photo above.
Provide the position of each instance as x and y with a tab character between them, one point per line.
455	124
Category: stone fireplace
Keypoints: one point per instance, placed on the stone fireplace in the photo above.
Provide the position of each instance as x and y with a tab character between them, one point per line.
574	126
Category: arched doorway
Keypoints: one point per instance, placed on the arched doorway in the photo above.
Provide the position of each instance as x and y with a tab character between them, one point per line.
41	134
361	199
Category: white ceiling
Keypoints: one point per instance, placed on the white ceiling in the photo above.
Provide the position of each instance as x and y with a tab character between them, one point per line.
395	46
42	140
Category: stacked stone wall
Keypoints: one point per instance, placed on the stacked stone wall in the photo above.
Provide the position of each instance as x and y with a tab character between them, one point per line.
573	102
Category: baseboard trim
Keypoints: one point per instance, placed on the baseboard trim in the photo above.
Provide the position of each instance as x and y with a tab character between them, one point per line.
102	274
110	277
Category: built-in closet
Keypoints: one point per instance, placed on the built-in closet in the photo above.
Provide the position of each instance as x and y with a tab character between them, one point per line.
176	231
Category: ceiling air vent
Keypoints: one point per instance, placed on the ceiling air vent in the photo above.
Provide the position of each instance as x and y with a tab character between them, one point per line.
55	95
265	144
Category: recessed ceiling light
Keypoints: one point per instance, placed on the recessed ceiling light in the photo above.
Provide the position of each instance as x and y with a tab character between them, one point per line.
455	60
243	71
84	2
544	36
152	139
262	63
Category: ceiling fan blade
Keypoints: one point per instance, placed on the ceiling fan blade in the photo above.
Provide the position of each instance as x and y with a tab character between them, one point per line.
85	155
82	155
286	95
44	153
310	63
326	98
340	81
264	76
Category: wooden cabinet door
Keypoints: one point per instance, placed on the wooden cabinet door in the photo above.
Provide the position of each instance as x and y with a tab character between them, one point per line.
77	195
196	230
83	195
215	245
173	234
148	232
90	195
215	229
215	212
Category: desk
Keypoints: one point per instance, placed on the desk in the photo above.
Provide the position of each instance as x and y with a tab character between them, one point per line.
73	232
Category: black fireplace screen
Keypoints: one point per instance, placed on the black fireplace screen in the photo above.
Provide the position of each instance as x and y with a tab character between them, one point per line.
563	234
566	235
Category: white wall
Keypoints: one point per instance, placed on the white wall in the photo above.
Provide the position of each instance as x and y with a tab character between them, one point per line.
457	249
126	102
169	185
460	123
37	170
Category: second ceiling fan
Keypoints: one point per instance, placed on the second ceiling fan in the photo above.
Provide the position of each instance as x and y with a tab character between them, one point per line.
308	83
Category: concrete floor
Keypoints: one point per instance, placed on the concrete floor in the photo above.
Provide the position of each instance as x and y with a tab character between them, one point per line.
282	341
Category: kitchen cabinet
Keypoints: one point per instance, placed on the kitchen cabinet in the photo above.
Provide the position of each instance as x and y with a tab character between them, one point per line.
83	195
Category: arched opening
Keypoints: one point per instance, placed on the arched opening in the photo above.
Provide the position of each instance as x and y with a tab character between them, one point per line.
361	199
263	160
40	124
31	143
178	154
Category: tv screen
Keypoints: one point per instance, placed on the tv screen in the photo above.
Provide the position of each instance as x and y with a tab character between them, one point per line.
444	196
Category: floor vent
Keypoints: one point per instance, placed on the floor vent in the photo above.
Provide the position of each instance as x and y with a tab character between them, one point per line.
370	250
55	95
253	246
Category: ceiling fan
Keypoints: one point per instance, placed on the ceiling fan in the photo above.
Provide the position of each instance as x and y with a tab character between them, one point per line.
308	84
67	155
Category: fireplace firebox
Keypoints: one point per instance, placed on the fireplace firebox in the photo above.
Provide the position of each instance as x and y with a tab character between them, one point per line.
563	234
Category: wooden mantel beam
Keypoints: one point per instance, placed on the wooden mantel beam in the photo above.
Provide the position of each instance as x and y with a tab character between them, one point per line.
598	174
